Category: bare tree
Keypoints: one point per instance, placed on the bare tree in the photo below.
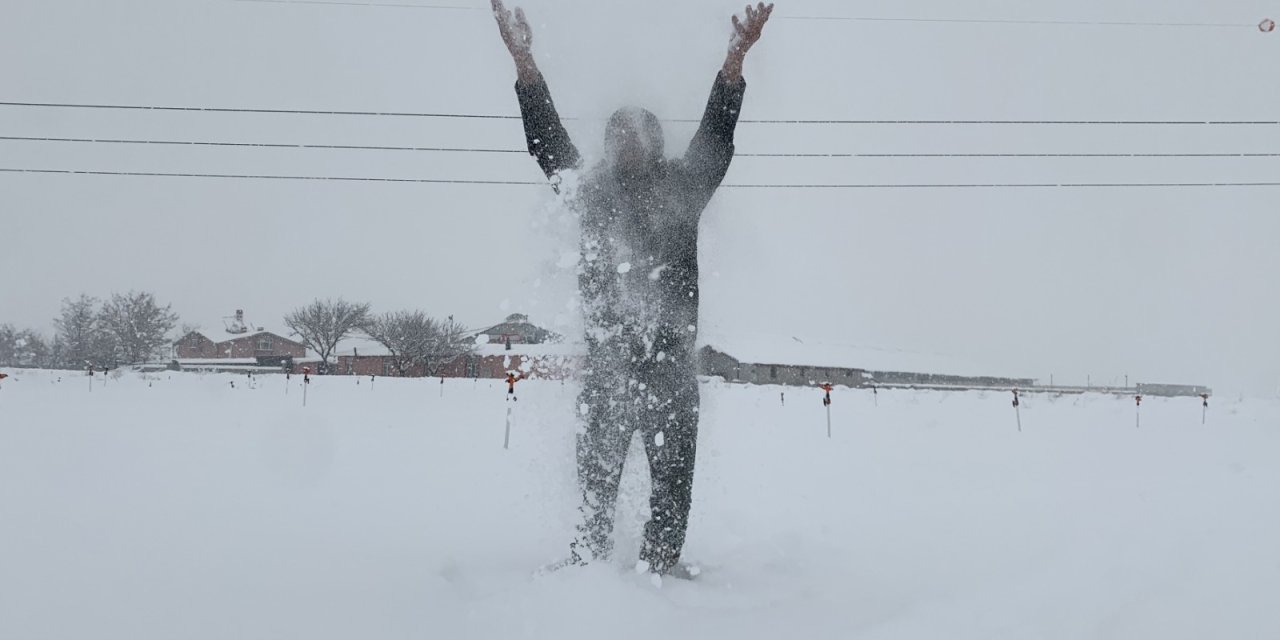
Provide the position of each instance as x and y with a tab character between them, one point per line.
454	342
139	325
407	335
415	340
322	324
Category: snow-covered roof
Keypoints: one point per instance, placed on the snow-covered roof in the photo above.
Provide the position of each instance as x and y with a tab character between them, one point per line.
517	325
220	335
368	347
781	350
254	334
363	345
546	349
217	329
217	362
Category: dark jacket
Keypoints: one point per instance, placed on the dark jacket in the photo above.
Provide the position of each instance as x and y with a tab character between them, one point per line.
639	268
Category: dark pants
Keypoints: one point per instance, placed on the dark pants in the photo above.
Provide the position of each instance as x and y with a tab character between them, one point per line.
662	404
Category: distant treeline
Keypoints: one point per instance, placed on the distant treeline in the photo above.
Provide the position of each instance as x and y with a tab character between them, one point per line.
127	328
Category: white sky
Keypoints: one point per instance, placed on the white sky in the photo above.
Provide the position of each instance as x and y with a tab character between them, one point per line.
1161	284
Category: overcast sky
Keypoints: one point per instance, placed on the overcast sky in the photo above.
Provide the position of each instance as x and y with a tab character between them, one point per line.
1166	284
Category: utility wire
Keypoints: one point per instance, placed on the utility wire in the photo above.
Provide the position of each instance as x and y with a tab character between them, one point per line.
240	176
1072	23
1037	185
477	116
350	3
311	112
353	147
261	145
1003	21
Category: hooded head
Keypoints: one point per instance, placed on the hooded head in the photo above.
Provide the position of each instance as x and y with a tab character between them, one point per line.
633	141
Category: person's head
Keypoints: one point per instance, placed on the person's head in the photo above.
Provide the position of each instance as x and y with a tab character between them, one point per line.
633	141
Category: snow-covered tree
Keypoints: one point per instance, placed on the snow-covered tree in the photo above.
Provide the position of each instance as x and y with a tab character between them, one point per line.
80	340
322	324
24	348
140	328
454	342
414	339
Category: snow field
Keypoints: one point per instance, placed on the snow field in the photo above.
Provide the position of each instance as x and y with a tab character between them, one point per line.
177	506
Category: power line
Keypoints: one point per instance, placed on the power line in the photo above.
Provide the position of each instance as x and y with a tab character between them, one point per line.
1008	155
1012	122
353	147
1038	185
1004	21
479	116
1073	23
1018	185
398	5
238	176
261	145
310	112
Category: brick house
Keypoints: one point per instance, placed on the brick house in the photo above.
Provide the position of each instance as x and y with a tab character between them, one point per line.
516	329
195	345
514	345
360	356
554	361
364	357
237	340
764	361
544	361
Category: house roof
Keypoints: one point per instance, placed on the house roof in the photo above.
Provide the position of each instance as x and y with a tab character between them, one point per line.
782	350
222	338
254	334
217	330
216	362
518	324
546	349
368	347
363	345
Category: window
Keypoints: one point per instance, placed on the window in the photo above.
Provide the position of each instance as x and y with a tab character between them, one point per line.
264	343
773	372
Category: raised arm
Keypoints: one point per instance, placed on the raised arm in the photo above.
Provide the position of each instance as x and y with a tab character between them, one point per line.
745	35
711	150
547	138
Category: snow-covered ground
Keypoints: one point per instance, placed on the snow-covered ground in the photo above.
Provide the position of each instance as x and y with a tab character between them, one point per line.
181	507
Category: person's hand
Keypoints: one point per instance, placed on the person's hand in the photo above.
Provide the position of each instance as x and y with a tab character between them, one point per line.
745	34
516	33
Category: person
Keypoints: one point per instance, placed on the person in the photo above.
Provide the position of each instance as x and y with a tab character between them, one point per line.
826	390
512	379
638	280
